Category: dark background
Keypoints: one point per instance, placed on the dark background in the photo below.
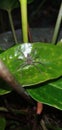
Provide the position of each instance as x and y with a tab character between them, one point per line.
38	16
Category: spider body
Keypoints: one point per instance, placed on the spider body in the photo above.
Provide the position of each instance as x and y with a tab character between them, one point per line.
28	60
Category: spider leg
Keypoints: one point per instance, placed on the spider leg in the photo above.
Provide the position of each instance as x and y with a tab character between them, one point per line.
23	54
36	67
23	57
22	66
40	63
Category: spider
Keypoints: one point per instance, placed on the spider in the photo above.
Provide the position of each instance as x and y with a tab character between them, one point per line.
28	60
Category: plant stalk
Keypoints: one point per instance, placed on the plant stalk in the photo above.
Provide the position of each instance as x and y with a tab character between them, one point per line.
23	6
12	26
7	76
57	26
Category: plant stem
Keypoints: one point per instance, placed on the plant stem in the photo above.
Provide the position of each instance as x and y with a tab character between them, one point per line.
57	26
7	76
23	6
12	26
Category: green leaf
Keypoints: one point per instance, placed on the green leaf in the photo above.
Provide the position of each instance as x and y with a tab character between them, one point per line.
1	50
49	93
4	87
9	4
31	64
2	123
3	91
60	43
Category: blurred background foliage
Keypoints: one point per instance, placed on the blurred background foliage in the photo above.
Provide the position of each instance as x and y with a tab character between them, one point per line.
40	14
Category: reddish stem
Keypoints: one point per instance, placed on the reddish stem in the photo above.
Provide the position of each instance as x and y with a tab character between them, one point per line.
39	108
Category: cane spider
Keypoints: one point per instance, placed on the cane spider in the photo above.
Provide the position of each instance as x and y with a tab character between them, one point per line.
28	60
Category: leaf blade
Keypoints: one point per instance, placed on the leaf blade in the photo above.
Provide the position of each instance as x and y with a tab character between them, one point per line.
48	94
46	64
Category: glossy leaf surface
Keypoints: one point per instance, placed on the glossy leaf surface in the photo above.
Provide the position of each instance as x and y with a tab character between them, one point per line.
50	94
59	43
31	64
9	4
